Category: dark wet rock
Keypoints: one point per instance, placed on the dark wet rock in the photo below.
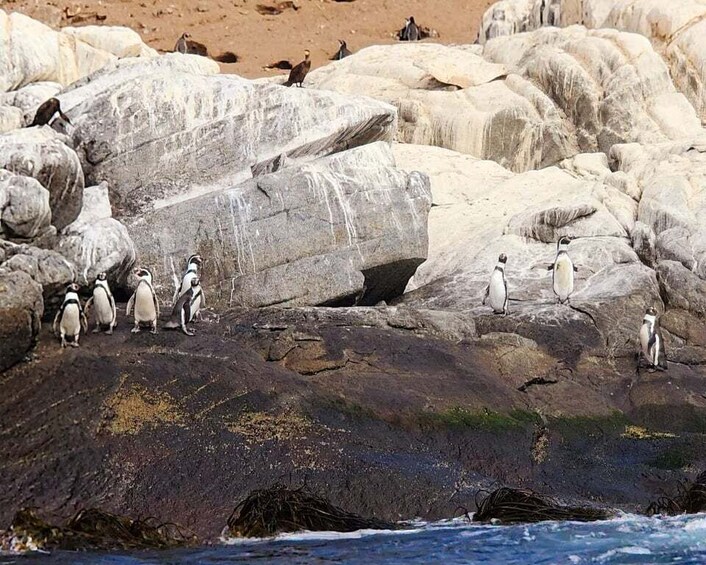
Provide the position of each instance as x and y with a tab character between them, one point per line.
21	310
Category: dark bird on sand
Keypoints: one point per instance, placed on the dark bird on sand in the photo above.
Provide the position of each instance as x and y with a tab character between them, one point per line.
342	52
410	31
299	72
46	112
188	46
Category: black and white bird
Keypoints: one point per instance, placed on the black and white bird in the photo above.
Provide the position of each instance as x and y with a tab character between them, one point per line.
410	31
103	305
193	266
563	270
496	292
70	318
185	308
144	300
342	52
651	341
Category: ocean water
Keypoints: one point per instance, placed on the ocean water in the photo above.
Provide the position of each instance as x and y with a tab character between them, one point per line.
624	540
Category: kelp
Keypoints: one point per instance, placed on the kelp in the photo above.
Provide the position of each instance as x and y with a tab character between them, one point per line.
91	528
689	499
512	506
278	509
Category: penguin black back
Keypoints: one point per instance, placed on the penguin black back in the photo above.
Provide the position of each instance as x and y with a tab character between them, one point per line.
299	72
46	112
342	52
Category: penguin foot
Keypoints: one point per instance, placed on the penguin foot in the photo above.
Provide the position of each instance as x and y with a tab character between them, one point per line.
153	331
109	332
135	330
96	330
74	344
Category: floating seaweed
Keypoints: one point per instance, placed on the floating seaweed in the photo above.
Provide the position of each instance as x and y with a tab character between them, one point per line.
91	528
512	506
278	509
689	499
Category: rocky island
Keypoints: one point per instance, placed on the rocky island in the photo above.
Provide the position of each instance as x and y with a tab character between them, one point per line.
349	229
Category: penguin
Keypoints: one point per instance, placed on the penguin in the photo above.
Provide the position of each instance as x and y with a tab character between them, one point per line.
193	264
342	52
652	342
183	311
181	45
46	112
410	31
497	289
563	271
299	72
145	302
104	304
70	318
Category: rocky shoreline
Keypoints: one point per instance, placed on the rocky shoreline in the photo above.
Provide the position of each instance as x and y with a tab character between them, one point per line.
347	248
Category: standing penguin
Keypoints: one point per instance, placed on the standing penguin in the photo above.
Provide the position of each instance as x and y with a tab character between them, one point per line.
183	311
145	302
497	289
299	72
410	31
46	112
342	52
193	263
563	271
70	317
181	44
651	341
104	304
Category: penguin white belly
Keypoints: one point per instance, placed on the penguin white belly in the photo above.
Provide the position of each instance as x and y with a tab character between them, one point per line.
654	353
563	277
645	340
70	320
103	307
186	282
196	304
144	304
497	291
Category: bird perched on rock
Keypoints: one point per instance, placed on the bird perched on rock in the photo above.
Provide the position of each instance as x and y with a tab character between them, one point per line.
187	45
144	300
103	304
342	52
651	341
496	291
70	318
46	112
186	308
563	271
410	31
299	72
193	264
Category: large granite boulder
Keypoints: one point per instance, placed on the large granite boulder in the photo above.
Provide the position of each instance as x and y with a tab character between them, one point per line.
41	153
676	29
24	207
31	52
348	228
120	41
158	135
96	242
452	98
21	310
613	86
481	210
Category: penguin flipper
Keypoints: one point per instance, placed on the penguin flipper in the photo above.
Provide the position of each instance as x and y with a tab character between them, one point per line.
576	269
486	294
550	267
55	325
130	304
84	322
89	302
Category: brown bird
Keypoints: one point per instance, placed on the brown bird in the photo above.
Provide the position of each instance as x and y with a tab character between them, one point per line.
299	72
46	112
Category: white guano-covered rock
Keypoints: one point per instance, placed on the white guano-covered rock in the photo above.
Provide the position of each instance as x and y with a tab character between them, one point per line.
96	242
32	52
451	98
120	41
39	152
344	229
159	136
612	86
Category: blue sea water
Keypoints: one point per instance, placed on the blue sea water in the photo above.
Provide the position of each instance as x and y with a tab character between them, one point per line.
625	540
